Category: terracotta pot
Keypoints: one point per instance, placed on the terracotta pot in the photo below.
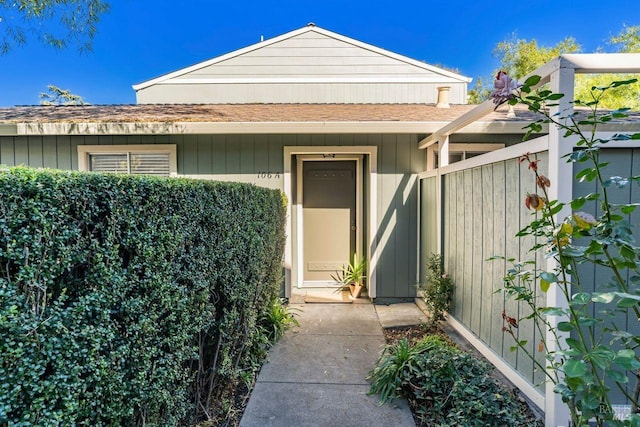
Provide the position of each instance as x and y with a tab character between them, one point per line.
355	290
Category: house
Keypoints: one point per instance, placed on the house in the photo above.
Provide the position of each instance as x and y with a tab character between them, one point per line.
378	155
332	122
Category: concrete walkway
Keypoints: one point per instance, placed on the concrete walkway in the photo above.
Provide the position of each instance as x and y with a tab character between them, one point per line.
316	375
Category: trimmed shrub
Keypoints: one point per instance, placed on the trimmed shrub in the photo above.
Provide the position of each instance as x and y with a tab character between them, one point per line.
129	300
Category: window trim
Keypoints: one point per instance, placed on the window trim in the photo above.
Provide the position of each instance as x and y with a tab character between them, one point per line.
84	151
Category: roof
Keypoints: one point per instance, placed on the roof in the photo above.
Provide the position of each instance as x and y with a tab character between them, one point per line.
255	118
307	29
215	113
244	118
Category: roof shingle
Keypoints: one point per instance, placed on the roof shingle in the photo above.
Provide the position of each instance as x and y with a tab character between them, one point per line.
217	113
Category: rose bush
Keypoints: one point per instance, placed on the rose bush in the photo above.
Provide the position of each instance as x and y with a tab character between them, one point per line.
584	366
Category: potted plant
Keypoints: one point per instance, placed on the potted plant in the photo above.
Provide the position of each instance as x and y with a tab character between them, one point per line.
352	277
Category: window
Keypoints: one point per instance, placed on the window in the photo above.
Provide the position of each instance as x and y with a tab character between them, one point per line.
134	159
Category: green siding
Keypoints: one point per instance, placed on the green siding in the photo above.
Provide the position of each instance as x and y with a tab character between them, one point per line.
625	163
259	159
483	211
428	223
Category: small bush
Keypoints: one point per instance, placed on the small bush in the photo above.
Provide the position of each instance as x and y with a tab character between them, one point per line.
276	319
445	386
438	289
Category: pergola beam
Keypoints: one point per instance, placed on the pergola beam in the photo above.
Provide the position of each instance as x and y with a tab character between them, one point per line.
580	64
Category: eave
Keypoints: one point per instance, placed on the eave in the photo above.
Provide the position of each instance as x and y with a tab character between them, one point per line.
307	127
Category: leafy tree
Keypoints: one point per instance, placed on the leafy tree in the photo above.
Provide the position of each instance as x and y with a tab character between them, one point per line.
628	39
57	96
519	57
57	23
480	91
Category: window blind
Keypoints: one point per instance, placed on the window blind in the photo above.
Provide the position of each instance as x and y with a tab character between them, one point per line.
134	163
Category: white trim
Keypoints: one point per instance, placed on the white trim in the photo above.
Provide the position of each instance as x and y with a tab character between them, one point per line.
512	152
561	175
371	200
293	127
466	119
85	150
235	128
419	239
474	147
294	80
590	63
295	33
428	174
301	283
443	151
536	396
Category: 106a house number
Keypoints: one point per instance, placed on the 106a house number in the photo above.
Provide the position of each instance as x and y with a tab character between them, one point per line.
268	175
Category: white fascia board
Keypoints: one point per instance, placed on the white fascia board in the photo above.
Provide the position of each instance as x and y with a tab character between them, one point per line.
604	62
589	63
182	128
289	80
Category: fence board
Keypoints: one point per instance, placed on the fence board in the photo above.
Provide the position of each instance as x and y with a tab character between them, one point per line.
487	267
526	329
512	247
475	260
499	241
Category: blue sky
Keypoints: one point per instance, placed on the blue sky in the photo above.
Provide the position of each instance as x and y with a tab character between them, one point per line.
142	39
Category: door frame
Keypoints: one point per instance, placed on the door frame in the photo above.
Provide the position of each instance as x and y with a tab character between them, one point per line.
293	249
301	283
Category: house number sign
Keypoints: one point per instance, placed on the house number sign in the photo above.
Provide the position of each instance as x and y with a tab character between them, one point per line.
268	175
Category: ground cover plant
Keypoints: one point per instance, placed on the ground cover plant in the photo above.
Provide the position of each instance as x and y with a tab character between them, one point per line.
133	300
444	385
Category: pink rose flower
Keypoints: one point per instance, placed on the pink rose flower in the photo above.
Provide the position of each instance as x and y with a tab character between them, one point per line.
503	88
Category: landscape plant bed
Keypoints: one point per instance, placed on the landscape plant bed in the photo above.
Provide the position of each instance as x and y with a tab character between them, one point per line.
499	395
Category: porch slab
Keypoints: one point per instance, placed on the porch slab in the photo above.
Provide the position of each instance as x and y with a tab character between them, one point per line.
397	315
307	405
337	319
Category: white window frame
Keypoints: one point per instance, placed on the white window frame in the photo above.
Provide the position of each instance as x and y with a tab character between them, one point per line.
84	151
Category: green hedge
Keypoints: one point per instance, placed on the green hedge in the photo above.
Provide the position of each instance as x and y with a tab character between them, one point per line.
130	300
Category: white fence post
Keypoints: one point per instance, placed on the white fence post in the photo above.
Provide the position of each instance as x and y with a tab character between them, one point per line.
561	177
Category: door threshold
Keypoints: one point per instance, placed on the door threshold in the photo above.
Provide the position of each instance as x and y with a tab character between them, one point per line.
326	296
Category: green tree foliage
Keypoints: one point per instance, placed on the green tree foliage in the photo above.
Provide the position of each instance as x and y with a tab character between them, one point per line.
58	23
627	41
56	96
518	57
